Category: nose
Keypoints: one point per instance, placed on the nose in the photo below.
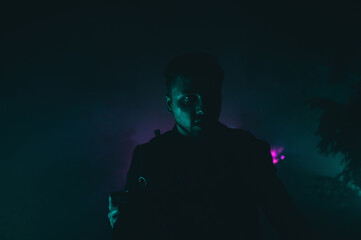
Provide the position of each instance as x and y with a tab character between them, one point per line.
200	106
200	112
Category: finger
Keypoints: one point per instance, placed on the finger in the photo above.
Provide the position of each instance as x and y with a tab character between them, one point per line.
113	217
113	214
112	221
110	202
111	205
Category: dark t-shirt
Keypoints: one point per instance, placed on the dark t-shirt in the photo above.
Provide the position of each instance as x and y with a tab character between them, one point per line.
182	188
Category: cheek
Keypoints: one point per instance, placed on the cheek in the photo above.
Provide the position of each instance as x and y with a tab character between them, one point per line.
183	113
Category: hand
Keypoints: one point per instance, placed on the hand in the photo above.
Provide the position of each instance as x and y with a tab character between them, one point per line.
116	201
113	212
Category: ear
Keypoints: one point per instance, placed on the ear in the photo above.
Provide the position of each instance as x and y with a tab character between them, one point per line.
168	101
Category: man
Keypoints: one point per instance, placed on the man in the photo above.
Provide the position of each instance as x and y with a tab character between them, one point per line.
202	180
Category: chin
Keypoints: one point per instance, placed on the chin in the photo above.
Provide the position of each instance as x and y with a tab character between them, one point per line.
198	131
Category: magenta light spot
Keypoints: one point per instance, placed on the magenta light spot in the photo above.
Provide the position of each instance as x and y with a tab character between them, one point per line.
275	153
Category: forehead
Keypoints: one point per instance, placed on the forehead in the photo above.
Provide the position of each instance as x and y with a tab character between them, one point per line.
183	85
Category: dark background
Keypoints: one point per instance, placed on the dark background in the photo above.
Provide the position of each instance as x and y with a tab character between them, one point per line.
81	85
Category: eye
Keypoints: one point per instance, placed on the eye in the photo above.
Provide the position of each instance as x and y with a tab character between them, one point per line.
189	99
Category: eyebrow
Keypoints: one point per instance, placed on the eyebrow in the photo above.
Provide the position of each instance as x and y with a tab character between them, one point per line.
188	91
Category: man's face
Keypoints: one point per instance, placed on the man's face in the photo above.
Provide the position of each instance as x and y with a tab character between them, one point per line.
195	105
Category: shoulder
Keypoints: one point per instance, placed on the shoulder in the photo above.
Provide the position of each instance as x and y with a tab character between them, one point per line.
255	151
248	139
236	135
155	145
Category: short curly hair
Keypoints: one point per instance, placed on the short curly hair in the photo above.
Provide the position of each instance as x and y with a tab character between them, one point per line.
196	65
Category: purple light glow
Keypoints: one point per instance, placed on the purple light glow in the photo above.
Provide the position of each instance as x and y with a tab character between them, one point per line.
282	157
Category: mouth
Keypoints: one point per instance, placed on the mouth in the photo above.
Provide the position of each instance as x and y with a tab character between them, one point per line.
199	121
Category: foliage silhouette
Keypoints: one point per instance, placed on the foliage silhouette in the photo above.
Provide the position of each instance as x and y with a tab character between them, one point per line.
340	132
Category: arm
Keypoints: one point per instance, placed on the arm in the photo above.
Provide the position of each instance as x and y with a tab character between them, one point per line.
274	200
128	206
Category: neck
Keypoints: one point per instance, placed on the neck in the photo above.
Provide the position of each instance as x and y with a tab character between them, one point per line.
210	132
